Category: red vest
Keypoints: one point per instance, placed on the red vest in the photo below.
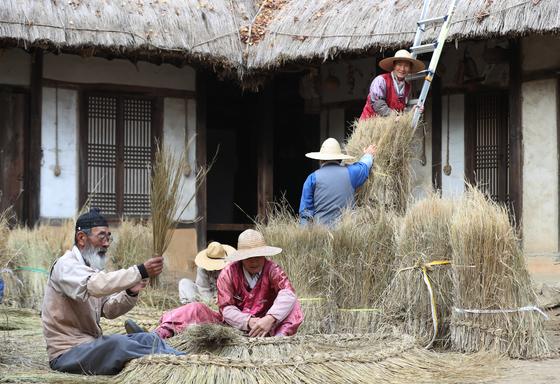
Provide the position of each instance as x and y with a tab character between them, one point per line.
391	98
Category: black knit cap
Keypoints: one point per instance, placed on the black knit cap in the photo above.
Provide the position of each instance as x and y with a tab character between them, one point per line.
91	219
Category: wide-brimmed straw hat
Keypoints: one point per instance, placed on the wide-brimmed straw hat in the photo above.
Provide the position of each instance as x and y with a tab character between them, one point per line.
213	258
330	150
251	243
402	55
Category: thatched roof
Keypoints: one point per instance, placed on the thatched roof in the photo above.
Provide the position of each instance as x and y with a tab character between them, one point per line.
206	30
225	31
324	28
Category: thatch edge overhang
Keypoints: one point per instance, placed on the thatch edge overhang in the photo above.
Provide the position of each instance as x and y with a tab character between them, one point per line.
299	33
322	30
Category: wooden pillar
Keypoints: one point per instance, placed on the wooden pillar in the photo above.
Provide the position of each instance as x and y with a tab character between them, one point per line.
32	183
201	159
436	133
265	154
515	131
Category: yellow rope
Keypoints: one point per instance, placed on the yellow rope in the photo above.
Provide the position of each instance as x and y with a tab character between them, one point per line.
424	268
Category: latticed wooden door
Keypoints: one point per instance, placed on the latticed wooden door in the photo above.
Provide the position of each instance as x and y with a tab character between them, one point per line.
487	143
119	144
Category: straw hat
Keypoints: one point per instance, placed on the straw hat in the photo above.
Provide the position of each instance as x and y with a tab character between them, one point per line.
330	150
251	244
402	55
213	258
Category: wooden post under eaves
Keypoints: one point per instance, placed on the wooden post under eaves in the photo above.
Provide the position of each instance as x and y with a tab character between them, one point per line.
201	157
265	152
32	182
515	131
437	165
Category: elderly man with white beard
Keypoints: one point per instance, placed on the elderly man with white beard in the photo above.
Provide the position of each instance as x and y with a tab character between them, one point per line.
79	292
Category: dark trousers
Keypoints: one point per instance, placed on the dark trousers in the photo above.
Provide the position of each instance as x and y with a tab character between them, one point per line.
107	355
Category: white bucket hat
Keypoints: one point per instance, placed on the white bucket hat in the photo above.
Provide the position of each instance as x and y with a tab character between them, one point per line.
251	243
402	55
213	258
330	150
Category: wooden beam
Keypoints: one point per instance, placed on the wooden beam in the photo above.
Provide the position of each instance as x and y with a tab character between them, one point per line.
201	160
436	133
558	140
32	182
229	227
515	131
541	74
121	89
265	152
82	147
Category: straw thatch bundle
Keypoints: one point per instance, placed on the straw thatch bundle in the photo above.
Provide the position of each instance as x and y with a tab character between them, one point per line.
494	300
424	252
393	362
34	251
306	250
132	246
348	266
363	254
318	315
389	183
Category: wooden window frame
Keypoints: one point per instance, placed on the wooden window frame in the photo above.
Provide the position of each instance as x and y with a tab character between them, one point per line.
156	135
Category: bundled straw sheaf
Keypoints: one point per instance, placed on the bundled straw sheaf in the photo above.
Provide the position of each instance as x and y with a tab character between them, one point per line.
168	195
346	267
389	184
490	276
424	254
33	252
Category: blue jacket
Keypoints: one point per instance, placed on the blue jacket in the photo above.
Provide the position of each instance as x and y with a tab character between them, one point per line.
330	189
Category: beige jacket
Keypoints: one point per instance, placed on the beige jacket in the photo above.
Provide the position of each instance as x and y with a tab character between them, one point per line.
77	296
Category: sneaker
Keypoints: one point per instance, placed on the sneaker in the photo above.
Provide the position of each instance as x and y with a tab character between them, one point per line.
132	327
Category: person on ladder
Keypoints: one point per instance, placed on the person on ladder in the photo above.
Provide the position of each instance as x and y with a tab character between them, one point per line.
389	91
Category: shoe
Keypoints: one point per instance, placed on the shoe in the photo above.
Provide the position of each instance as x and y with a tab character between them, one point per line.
132	327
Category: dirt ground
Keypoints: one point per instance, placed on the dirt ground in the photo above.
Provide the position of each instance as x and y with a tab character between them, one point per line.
537	372
26	360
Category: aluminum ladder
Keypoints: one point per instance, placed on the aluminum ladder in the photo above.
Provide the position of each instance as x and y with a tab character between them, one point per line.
436	47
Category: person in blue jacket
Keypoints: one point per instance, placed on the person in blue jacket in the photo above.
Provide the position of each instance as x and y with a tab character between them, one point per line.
330	189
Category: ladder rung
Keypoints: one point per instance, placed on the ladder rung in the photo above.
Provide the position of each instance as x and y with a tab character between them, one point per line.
418	75
412	101
433	20
419	49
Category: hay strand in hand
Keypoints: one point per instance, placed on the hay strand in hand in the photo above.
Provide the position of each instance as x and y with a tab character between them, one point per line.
168	196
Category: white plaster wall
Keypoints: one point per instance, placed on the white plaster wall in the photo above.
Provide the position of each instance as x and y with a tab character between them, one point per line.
179	120
454	184
15	67
73	68
540	52
540	167
59	194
